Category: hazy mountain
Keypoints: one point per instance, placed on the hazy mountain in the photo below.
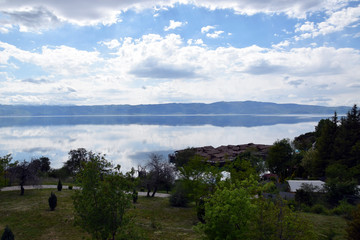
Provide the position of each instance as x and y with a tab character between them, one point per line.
247	107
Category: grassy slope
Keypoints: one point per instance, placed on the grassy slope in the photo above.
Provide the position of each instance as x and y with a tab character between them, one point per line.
29	217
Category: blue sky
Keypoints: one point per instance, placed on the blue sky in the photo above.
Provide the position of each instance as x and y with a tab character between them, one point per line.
142	51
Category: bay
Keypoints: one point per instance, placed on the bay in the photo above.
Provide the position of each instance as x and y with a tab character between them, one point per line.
129	139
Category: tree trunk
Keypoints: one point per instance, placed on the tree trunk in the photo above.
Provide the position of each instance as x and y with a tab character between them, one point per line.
22	190
153	194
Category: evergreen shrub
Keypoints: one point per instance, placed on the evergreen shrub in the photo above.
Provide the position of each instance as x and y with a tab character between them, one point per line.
7	235
52	201
59	186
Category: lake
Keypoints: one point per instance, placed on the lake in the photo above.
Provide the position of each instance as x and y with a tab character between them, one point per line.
128	140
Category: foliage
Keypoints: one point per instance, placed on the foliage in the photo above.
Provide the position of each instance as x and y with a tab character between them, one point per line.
233	212
307	194
44	164
180	158
52	201
344	208
337	190
25	173
101	204
228	214
4	167
199	178
160	173
243	167
280	159
179	196
353	226
77	157
8	234
59	185
70	187
135	196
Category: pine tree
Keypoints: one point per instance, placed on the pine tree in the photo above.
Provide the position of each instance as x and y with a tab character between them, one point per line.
59	186
52	201
7	235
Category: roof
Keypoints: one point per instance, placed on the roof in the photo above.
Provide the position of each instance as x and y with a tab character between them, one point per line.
297	184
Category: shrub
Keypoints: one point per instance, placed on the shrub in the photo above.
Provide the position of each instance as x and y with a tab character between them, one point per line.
344	208
179	196
200	210
59	186
70	187
52	201
7	235
135	196
353	228
319	209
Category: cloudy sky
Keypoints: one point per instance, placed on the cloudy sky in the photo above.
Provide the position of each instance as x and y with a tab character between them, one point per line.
88	52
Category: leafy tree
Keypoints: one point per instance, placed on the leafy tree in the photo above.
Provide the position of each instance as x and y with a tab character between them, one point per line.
199	178
179	196
59	186
52	201
233	212
4	166
280	159
105	195
44	164
77	158
160	173
25	173
8	234
336	190
180	158
241	168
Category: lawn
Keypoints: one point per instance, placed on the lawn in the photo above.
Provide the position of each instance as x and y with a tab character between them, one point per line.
29	217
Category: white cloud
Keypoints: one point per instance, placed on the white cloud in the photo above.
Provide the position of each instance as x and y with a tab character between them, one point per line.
207	29
282	44
155	69
173	24
114	43
215	34
336	21
37	15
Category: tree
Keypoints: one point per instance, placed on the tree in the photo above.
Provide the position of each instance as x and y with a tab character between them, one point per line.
77	158
4	166
59	186
52	201
25	173
235	212
8	234
160	173
105	195
280	159
180	158
44	164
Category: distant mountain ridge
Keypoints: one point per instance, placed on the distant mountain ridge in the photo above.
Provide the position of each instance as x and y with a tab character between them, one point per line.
245	107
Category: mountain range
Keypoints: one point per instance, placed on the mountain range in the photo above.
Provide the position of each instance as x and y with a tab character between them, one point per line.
244	107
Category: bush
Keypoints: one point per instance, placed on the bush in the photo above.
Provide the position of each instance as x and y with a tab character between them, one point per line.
59	186
135	196
200	210
7	235
344	208
52	201
319	209
179	196
70	187
353	228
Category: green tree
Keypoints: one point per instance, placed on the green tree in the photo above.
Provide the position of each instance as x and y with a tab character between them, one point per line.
237	211
105	195
280	159
77	157
4	166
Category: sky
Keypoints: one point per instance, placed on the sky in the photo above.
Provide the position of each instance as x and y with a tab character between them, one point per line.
87	52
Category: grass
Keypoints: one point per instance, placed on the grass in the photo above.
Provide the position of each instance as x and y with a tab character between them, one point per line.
326	226
29	217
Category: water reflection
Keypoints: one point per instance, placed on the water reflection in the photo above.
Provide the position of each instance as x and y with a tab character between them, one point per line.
127	141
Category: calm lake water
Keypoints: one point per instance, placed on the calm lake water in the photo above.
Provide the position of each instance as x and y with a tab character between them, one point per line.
128	140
